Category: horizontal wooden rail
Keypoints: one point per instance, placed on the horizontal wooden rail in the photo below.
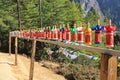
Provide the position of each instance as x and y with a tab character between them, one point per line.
82	47
87	48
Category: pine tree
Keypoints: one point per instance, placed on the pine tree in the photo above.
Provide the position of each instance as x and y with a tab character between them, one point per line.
8	15
73	13
29	14
81	14
92	17
8	21
53	12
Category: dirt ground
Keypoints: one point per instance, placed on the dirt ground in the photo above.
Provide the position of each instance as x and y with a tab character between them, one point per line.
8	71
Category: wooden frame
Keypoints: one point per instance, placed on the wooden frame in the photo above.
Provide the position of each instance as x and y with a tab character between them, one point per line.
108	70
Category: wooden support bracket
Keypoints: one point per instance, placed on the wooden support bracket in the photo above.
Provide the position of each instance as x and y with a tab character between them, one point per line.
108	70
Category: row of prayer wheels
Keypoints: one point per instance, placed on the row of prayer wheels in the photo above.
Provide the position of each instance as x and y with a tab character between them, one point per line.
76	34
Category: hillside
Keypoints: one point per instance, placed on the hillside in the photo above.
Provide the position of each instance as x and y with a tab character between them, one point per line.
108	8
111	10
88	5
8	71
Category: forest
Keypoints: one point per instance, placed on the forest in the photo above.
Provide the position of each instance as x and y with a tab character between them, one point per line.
53	12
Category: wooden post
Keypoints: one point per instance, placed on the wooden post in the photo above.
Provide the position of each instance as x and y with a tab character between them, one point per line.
9	44
112	68
103	67
108	70
32	60
16	49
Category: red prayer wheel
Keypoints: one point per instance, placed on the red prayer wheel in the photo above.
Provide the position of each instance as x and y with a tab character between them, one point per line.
60	36
23	33
109	39
64	34
42	34
110	35
60	33
34	34
38	35
27	34
88	37
74	33
55	33
68	34
44	37
80	36
98	36
52	35
47	31
49	35
98	30
80	33
74	36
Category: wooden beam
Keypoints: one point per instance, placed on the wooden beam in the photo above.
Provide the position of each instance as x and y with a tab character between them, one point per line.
108	69
84	47
103	67
16	49
112	68
32	60
9	44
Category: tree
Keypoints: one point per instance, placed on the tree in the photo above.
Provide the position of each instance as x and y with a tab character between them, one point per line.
73	13
92	17
53	12
29	14
8	21
81	13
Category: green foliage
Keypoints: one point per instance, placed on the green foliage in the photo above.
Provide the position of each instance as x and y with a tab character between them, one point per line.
92	17
8	21
61	11
79	71
54	12
7	17
73	13
29	14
